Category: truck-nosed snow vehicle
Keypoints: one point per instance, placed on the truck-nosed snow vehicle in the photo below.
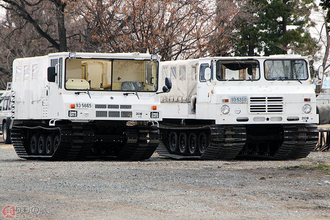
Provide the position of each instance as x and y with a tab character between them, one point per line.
5	113
72	106
229	107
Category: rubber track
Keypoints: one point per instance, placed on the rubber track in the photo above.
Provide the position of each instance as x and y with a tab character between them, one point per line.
17	140
306	138
298	142
225	144
76	143
141	143
289	143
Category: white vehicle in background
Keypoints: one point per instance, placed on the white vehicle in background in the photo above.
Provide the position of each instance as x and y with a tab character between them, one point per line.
228	107
5	113
72	106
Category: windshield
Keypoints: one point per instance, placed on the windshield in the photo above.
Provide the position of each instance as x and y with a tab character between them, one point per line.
114	75
237	70
286	70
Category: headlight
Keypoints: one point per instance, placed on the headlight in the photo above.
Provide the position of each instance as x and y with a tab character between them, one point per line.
225	109
307	108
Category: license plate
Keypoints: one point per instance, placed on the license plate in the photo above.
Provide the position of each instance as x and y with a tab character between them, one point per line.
238	99
84	105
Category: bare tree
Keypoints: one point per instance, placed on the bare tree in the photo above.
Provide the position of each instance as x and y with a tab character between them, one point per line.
172	28
31	10
32	27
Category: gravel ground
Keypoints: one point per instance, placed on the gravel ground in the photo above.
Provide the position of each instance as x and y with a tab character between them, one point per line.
161	188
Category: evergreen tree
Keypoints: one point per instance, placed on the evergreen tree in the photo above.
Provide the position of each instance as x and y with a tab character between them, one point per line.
326	7
282	28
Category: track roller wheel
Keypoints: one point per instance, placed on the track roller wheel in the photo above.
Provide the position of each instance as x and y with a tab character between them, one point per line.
203	142
41	144
192	143
173	141
183	142
57	142
6	133
103	150
49	147
34	144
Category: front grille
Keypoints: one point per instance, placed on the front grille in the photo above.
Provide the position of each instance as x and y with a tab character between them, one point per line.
100	106
266	104
125	106
101	113
126	114
113	106
115	114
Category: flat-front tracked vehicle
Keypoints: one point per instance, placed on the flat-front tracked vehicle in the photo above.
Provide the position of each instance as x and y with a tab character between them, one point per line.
72	106
229	107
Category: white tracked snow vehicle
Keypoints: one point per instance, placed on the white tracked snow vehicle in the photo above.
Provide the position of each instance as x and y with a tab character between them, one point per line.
5	113
231	107
73	106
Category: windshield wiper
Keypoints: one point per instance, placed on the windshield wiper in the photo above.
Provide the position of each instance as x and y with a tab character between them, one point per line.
133	93
86	92
249	79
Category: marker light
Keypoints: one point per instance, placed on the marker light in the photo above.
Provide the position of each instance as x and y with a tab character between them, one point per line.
154	107
238	111
73	106
154	57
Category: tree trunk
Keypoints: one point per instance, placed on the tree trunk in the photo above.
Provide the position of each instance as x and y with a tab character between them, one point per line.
61	26
327	48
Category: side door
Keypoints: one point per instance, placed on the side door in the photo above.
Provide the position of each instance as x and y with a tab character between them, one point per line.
204	88
53	91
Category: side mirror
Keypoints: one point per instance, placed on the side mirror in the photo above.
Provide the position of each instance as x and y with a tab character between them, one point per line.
318	80
320	72
207	74
51	74
168	83
165	89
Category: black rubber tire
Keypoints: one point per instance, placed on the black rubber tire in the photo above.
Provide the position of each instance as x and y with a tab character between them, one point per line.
183	142
173	142
57	142
192	143
203	142
41	144
49	145
34	144
6	133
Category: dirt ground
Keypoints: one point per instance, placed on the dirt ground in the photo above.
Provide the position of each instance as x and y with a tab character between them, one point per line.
161	188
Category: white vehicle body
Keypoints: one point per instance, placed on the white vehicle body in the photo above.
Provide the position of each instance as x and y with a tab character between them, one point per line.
99	90
5	113
243	91
36	98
